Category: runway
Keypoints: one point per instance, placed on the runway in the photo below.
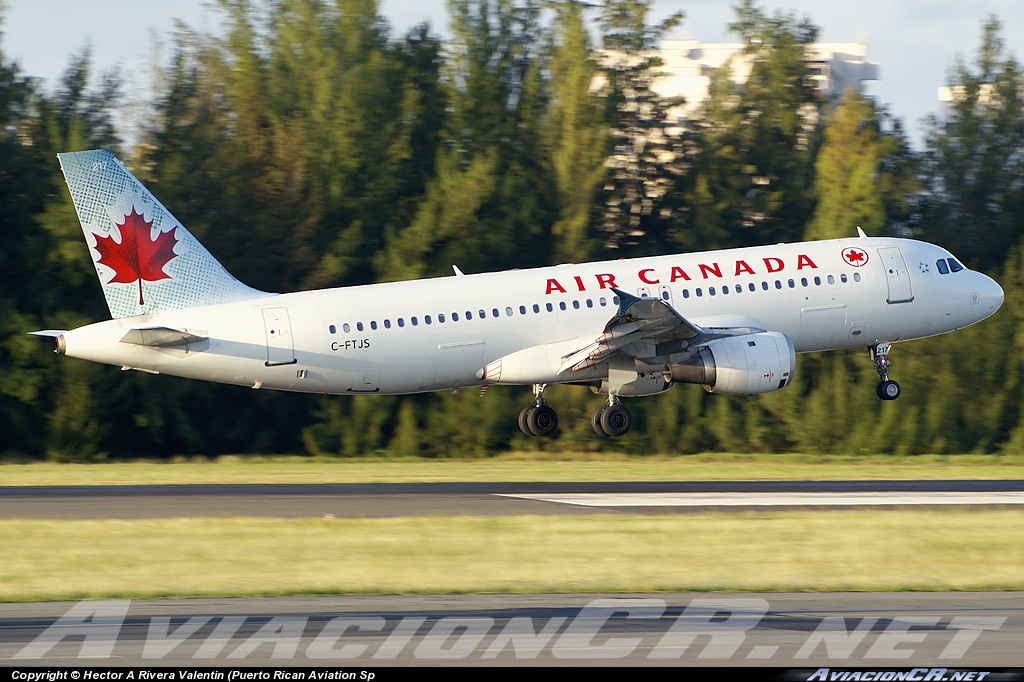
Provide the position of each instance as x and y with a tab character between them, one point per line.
975	631
978	631
375	500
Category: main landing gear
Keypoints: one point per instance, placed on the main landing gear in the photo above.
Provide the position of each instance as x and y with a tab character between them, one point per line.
886	389
611	419
538	419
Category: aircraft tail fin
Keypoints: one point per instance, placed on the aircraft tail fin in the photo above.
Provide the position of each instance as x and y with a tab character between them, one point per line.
146	260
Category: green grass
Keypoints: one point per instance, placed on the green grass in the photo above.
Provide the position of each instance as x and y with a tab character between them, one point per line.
783	551
902	549
522	467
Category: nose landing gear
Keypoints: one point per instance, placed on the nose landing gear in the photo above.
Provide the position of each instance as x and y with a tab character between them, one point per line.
886	389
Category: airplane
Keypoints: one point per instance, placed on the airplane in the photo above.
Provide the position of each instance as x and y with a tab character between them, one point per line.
731	320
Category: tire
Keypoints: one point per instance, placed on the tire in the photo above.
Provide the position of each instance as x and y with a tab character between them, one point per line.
542	421
595	421
523	417
616	420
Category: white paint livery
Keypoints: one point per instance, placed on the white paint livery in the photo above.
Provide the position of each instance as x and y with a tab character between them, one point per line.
730	320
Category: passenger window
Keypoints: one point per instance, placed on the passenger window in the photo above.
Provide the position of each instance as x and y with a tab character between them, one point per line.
359	326
831	279
686	293
803	281
590	303
469	315
414	321
739	289
778	284
792	284
561	305
536	308
954	265
401	322
842	278
576	305
387	324
764	285
549	307
699	292
752	287
373	324
494	312
856	277
455	317
482	314
331	329
440	318
346	328
711	291
817	281
941	265
522	310
426	319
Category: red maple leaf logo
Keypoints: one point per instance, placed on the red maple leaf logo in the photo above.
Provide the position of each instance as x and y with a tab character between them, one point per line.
855	257
137	257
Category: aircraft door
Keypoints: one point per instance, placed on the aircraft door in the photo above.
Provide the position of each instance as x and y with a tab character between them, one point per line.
280	350
897	275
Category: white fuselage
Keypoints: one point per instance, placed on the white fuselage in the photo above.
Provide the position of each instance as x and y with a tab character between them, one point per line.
424	335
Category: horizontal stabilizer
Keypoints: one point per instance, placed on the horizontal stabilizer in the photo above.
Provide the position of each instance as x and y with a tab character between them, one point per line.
161	337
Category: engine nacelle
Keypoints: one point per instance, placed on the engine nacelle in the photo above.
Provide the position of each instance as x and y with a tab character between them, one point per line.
739	365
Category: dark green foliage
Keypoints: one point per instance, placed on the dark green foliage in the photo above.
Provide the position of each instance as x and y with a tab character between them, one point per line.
306	146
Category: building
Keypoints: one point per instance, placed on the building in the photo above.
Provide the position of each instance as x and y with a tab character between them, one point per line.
690	64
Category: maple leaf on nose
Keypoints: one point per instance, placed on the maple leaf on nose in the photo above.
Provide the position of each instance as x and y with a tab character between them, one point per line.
137	257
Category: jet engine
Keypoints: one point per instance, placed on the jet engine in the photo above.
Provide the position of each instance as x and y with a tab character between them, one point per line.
738	365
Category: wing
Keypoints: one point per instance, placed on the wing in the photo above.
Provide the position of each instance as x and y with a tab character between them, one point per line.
648	330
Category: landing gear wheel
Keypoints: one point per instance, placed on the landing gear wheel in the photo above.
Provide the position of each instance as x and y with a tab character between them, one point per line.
616	420
523	421
541	421
888	390
595	421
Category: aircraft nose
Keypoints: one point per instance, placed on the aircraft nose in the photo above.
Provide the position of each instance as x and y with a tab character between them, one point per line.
989	295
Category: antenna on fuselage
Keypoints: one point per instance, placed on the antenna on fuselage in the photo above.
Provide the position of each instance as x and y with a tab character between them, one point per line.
860	233
458	273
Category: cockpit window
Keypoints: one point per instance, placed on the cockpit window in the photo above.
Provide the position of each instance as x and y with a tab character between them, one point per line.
954	266
941	265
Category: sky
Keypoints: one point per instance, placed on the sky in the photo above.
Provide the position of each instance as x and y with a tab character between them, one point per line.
916	42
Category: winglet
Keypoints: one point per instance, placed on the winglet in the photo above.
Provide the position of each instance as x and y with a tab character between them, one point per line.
860	233
625	300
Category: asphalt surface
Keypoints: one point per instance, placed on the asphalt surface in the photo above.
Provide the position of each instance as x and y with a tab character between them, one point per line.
977	631
372	500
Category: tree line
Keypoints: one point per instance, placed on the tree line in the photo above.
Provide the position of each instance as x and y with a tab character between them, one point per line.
306	146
